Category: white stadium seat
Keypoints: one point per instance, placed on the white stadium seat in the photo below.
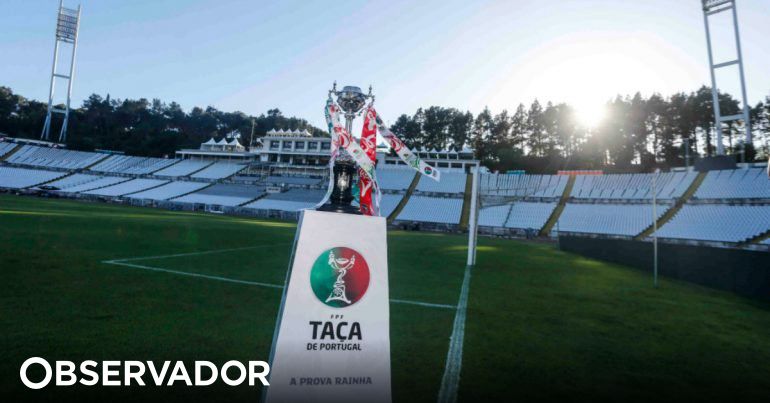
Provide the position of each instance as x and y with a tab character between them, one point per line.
127	187
18	178
6	147
74	180
219	170
715	222
169	190
451	182
132	165
750	183
395	179
670	185
607	219
432	209
521	215
546	186
101	182
54	157
183	168
223	195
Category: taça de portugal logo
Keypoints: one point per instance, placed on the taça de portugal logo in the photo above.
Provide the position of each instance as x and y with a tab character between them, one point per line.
340	277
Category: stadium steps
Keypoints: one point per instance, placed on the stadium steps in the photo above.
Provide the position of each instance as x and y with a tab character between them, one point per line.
146	189
465	216
405	199
98	161
250	201
235	173
559	208
189	175
105	186
668	215
10	153
193	191
755	240
52	180
160	169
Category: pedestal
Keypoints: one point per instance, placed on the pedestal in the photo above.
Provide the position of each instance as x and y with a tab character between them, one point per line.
332	342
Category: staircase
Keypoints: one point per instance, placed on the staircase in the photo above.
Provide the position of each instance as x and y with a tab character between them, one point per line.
559	208
757	239
10	153
405	199
668	215
465	216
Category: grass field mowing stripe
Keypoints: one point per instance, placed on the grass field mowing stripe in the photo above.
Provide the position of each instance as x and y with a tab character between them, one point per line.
454	359
205	252
254	283
184	273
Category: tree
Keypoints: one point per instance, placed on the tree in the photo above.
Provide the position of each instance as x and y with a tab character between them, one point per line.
536	130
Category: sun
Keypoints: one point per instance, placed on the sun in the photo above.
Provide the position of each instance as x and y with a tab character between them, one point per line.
590	114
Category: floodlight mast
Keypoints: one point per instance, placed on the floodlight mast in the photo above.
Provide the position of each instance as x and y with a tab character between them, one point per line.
711	7
67	27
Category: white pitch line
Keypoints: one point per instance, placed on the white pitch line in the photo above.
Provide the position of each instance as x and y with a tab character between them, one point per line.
205	252
427	304
122	262
184	273
451	380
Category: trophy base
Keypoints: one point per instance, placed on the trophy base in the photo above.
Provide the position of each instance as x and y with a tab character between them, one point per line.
341	198
340	208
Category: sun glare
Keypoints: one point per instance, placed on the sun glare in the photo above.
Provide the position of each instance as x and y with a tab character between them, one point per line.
590	115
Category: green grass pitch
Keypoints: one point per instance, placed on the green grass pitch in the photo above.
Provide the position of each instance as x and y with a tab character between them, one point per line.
541	324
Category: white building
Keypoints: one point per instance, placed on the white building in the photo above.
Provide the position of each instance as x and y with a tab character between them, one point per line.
294	147
223	149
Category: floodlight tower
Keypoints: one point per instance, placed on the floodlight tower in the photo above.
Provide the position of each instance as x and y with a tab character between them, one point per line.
711	7
67	26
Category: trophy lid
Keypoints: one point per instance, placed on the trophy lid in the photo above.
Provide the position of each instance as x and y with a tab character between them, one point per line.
351	99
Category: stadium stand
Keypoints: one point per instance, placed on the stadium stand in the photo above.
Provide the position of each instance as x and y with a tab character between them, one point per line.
280	205
521	215
607	219
714	222
529	215
125	164
670	185
127	187
749	183
292	180
223	195
54	157
169	190
395	179
73	180
388	203
102	181
494	216
451	182
19	178
291	200
219	170
432	210
545	186
6	147
183	168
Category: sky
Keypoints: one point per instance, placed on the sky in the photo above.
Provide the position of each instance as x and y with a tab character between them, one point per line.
252	56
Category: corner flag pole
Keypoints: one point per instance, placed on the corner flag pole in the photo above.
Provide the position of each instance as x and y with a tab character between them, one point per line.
473	228
655	227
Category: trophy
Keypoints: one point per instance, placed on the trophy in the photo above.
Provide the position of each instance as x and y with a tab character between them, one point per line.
341	267
351	100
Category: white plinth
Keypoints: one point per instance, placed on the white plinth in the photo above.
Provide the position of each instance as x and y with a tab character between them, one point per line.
333	341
